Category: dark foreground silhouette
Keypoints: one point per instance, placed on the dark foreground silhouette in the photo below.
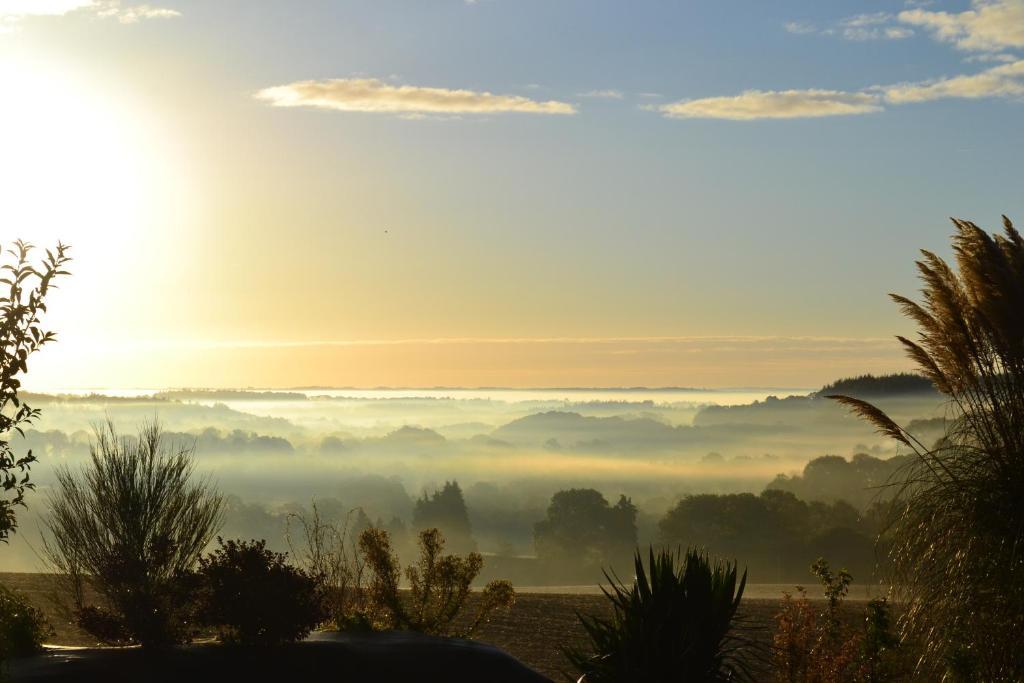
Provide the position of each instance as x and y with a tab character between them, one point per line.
383	657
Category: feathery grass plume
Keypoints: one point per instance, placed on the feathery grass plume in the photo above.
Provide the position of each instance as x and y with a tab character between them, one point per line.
957	529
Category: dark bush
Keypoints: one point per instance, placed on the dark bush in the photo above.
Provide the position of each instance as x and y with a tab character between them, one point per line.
22	626
675	623
255	597
103	624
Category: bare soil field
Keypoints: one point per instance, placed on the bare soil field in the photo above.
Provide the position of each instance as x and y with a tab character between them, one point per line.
534	631
539	625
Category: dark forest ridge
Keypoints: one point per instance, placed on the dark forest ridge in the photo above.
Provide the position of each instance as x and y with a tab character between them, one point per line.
882	385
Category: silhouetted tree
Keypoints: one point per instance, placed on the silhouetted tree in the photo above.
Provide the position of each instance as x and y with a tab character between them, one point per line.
445	509
775	534
582	530
21	305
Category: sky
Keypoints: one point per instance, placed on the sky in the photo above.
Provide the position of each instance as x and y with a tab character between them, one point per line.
498	192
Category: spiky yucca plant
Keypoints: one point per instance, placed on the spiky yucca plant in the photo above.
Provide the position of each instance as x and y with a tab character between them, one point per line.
958	529
675	623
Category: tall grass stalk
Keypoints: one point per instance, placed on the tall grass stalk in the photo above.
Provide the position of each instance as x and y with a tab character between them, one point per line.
957	531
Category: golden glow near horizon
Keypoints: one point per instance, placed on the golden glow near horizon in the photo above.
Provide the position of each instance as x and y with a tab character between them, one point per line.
539	363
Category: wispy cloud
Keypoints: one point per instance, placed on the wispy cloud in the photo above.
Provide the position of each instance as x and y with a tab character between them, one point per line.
874	26
602	94
989	29
774	104
984	57
133	15
1006	80
989	26
860	27
373	95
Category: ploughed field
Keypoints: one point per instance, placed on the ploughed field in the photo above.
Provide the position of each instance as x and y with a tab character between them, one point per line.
533	631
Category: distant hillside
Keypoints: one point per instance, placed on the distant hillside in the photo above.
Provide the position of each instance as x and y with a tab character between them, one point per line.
885	385
556	430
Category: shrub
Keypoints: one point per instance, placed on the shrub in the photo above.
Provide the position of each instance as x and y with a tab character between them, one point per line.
957	526
674	623
439	585
131	526
818	646
255	597
21	306
22	626
330	554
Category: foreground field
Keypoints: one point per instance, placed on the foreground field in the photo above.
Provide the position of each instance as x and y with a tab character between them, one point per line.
539	624
534	631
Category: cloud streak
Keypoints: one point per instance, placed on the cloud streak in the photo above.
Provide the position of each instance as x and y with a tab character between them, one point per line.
133	15
876	26
1002	81
860	27
774	104
603	94
375	96
1006	80
477	362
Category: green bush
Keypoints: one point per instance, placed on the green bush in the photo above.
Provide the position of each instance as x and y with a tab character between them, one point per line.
255	597
22	626
675	623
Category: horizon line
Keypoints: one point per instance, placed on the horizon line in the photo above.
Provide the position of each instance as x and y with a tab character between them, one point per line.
306	388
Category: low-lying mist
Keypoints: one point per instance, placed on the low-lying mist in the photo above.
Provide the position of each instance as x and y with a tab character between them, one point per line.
272	453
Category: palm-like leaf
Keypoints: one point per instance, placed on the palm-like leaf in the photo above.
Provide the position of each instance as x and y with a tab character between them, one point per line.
674	623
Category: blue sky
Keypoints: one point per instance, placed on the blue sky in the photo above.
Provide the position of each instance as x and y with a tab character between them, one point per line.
616	170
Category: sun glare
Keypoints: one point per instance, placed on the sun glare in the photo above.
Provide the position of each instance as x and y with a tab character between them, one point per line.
68	169
80	165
